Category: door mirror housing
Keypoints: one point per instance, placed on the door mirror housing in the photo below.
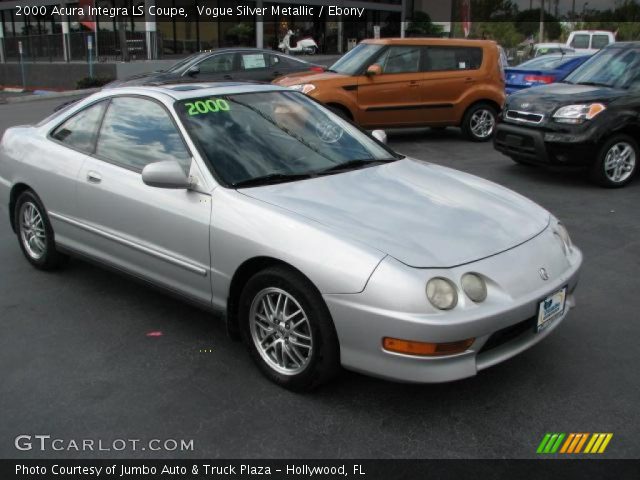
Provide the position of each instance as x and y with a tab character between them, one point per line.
373	70
166	174
193	70
380	135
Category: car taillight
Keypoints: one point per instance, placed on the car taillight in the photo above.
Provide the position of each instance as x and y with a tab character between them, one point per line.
539	79
316	69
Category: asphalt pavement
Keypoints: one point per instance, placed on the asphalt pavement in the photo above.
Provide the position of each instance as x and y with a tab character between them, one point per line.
77	362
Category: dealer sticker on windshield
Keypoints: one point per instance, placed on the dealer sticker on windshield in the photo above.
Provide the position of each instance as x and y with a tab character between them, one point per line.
551	308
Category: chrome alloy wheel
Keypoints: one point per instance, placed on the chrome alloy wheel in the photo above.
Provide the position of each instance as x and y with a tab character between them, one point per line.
32	231
281	331
619	162
482	123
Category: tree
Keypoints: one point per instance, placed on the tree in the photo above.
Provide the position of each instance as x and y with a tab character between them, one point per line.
422	26
504	33
528	24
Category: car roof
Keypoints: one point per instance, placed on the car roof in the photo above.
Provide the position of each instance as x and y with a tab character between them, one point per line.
182	91
456	42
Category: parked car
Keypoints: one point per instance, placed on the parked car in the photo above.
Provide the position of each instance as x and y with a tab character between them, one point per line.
225	64
411	82
321	245
590	41
540	49
541	70
591	119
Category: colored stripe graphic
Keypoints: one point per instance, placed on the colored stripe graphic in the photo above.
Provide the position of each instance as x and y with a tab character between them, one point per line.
572	443
598	443
550	443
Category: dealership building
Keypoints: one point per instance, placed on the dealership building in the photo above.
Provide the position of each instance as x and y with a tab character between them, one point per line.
44	35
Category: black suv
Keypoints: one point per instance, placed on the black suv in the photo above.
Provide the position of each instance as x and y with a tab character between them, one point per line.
590	119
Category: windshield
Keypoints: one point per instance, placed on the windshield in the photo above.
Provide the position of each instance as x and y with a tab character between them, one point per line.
280	134
612	67
177	66
352	62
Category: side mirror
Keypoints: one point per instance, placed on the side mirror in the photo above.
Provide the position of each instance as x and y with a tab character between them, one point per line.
374	69
167	174
193	71
380	135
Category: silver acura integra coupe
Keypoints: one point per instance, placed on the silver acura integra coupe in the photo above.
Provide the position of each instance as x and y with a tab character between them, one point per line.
321	245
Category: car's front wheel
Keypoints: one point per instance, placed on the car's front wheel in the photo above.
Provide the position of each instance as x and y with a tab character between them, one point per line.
35	234
288	329
479	122
616	162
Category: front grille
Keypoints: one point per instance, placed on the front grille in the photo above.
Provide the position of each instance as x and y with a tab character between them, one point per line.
527	117
509	333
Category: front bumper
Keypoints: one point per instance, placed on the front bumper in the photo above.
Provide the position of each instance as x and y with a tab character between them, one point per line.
544	147
503	325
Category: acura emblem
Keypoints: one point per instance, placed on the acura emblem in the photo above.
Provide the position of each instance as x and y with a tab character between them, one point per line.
525	105
543	274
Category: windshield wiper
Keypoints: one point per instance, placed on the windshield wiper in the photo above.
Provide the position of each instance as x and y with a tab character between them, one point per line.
353	164
593	84
271	179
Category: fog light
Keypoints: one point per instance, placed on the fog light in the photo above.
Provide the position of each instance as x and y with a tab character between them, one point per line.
425	349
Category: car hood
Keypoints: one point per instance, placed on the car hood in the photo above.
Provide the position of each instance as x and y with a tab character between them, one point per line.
547	98
306	77
422	214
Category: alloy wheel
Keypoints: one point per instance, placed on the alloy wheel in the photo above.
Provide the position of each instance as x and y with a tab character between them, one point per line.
482	123
281	331
32	231
619	162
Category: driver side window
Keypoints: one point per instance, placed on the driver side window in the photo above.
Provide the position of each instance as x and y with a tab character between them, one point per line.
219	63
400	60
136	132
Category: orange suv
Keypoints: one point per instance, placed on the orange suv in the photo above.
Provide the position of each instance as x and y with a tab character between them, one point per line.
410	82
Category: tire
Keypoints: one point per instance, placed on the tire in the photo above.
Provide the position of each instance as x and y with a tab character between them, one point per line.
617	162
307	341
340	112
35	235
520	161
479	122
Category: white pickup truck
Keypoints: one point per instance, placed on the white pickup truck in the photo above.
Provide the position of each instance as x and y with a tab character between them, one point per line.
589	41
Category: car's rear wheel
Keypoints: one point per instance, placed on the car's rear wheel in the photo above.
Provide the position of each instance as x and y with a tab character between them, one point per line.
35	234
288	329
617	162
479	122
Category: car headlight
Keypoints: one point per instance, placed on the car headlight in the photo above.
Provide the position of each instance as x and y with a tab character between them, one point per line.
563	234
442	293
304	87
475	287
577	114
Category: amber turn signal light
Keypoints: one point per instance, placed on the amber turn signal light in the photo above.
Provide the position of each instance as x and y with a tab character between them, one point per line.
409	347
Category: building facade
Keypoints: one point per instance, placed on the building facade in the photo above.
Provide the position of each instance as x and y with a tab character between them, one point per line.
33	28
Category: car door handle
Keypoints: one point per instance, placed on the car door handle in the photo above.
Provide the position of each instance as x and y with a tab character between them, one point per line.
414	83
276	74
228	77
94	177
469	80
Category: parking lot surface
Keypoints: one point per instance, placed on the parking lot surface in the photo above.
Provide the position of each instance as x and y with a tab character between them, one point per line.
77	361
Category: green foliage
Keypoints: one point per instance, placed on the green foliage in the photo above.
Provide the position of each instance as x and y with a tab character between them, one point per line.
528	23
92	82
505	33
422	26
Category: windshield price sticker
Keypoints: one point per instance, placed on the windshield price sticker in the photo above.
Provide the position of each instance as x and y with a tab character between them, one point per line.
213	105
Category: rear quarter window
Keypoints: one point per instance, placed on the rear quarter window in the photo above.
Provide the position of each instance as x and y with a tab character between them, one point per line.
599	41
580	41
452	58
